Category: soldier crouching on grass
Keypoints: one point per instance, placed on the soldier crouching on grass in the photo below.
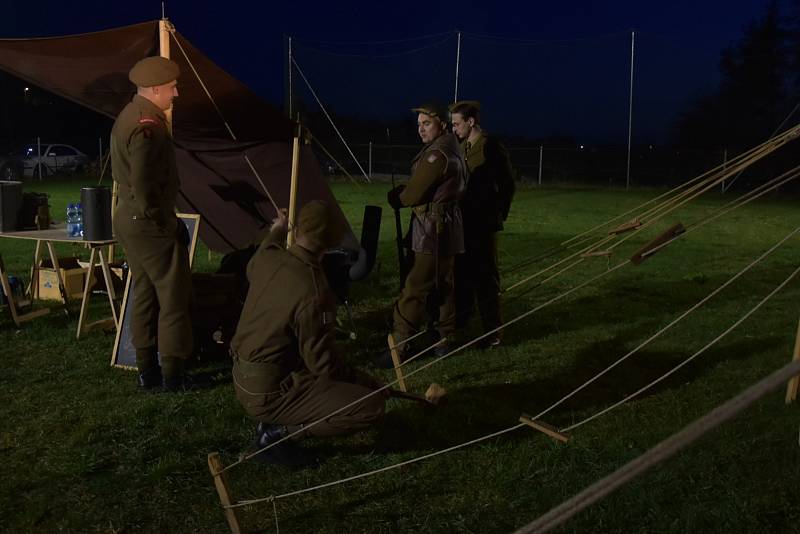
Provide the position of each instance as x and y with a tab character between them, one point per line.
286	370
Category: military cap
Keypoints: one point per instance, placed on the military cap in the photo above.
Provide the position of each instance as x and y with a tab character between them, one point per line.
318	225
433	109
467	105
154	70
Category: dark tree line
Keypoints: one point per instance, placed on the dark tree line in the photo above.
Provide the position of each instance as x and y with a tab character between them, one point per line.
759	88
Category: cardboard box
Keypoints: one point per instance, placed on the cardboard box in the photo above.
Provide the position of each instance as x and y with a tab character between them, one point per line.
73	275
118	276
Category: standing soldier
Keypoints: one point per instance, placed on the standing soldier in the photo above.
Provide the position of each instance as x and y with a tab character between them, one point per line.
485	207
438	176
143	163
286	370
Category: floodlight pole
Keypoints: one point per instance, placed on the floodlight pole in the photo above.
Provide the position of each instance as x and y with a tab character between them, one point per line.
630	116
289	74
541	156
458	62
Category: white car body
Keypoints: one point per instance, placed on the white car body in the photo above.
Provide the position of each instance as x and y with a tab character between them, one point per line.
55	158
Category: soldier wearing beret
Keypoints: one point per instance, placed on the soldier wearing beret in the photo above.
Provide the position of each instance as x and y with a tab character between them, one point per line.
485	207
286	370
143	164
438	176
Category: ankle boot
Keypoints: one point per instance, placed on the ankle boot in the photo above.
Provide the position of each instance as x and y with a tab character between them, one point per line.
287	453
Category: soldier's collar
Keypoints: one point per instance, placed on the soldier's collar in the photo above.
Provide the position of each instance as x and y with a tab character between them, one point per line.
149	107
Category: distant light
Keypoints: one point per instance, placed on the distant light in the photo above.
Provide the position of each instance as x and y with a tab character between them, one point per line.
27	89
581	147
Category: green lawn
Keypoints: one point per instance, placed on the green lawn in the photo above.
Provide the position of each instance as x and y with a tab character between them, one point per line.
85	452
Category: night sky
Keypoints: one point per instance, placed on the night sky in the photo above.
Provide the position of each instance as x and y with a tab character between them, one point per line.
541	68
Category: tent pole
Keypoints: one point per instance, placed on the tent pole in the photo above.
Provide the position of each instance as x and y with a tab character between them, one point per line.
163	37
293	186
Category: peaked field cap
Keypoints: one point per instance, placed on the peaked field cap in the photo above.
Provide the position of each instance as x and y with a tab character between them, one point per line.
317	223
433	109
473	105
154	70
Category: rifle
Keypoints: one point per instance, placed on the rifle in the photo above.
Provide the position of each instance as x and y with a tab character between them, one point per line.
398	224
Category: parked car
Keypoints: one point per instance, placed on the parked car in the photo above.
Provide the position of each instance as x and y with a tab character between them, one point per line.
55	158
10	167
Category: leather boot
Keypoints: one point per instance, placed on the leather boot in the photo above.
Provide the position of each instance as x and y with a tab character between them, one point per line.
149	370
287	453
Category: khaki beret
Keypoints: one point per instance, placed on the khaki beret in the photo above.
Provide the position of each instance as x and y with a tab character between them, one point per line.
465	105
154	70
432	109
318	225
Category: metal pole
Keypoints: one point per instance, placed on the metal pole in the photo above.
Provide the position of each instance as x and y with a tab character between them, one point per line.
724	166
369	169
290	75
541	155
458	62
630	117
39	153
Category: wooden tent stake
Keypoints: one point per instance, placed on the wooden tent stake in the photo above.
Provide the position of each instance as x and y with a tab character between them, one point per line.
653	246
293	186
215	466
544	427
396	360
794	383
626	227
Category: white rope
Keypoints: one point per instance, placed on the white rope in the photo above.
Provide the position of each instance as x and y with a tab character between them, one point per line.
222	117
325	111
662	451
275	511
376	471
423	367
668	327
273	498
690	358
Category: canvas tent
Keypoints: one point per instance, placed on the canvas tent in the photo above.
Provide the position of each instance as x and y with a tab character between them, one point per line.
216	180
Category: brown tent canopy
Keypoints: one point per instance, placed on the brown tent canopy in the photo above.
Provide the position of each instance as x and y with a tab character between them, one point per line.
216	181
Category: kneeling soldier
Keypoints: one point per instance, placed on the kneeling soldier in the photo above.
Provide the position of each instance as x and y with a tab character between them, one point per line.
286	370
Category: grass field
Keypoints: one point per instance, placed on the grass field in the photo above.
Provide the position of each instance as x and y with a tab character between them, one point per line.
84	452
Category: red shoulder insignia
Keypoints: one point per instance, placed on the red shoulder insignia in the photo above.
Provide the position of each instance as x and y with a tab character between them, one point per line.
147	120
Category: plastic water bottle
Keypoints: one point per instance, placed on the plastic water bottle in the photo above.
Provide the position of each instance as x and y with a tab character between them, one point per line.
78	220
72	215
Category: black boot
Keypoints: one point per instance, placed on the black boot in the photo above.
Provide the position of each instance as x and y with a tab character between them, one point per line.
287	453
150	379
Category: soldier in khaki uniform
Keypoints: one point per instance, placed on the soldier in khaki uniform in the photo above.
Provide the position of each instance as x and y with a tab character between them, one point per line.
485	207
143	163
437	181
286	370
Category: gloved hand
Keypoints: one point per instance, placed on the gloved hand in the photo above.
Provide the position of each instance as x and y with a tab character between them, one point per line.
393	197
183	234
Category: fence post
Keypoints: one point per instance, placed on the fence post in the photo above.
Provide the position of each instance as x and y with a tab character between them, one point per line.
541	154
39	156
369	168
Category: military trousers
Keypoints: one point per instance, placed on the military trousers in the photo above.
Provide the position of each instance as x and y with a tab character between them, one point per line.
478	279
162	285
304	398
429	278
